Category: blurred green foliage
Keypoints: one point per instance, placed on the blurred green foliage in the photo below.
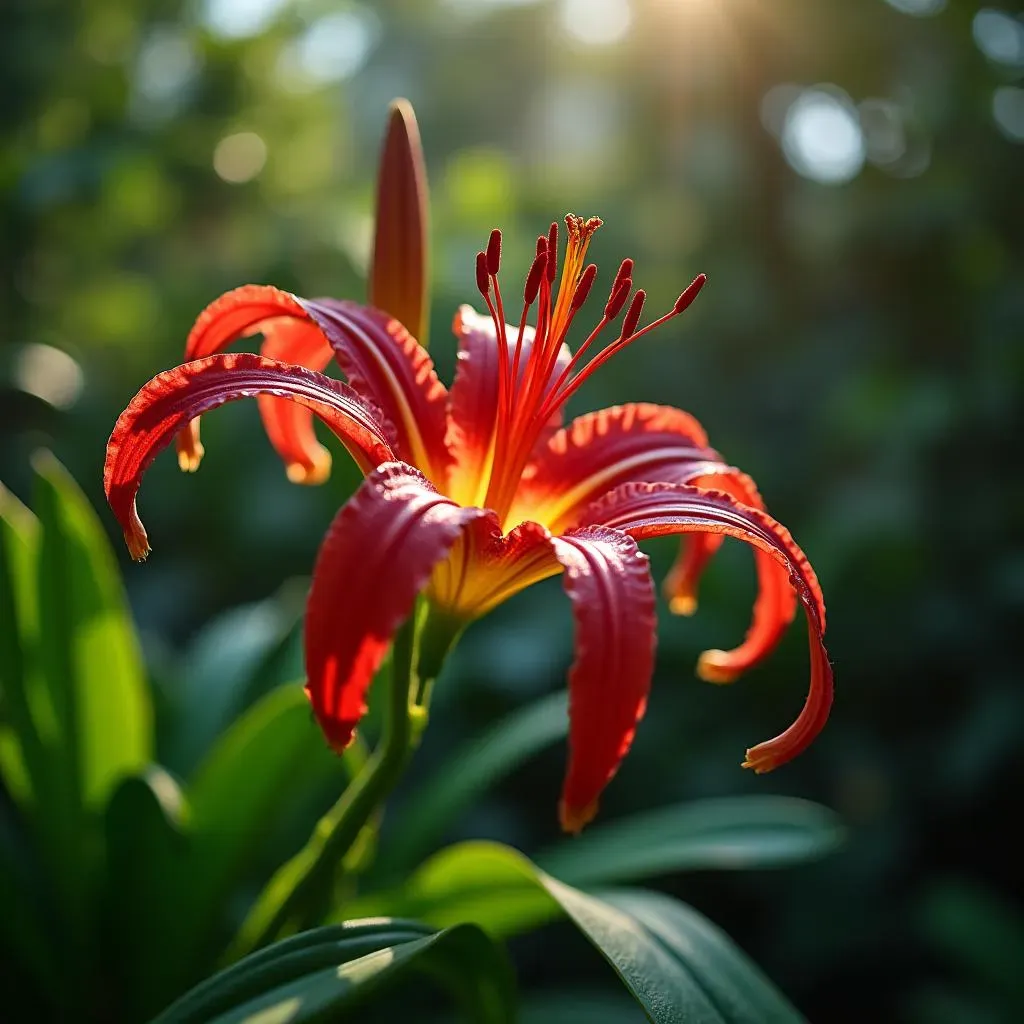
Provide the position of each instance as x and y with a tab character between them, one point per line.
858	350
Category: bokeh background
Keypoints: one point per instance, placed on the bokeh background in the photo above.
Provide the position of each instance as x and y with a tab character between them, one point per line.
850	175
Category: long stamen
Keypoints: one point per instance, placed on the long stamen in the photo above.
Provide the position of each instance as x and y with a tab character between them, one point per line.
528	397
620	290
485	282
680	306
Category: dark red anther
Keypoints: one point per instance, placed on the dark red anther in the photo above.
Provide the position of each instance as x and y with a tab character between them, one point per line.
690	294
482	281
533	278
542	244
625	270
552	251
586	282
632	318
617	299
494	253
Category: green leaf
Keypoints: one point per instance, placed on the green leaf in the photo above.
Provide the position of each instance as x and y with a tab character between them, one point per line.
581	1006
22	760
328	973
677	965
680	967
248	781
483	882
146	880
88	650
225	669
27	949
436	804
731	833
284	961
74	693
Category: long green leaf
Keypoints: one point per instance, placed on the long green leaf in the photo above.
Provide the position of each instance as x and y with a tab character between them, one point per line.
329	973
221	669
678	966
88	650
734	832
287	960
248	781
436	804
76	698
147	878
23	765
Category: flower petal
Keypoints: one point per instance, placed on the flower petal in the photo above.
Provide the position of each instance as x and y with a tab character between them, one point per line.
174	398
473	400
609	583
601	450
382	361
387	365
650	510
398	270
237	314
776	600
375	559
290	426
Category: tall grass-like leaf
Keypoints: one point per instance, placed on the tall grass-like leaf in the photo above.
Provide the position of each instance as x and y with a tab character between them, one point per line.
88	651
729	833
327	974
221	671
22	761
74	695
147	877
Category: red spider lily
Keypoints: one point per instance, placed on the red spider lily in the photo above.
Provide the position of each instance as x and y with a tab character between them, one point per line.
473	493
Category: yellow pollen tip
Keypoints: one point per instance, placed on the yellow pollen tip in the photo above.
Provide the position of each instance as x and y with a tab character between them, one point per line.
713	667
138	545
682	604
310	476
573	821
760	763
189	456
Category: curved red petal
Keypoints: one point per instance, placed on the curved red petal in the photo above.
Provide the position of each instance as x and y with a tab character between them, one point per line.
650	510
776	600
398	269
233	315
174	398
290	426
387	365
473	400
609	583
602	450
376	557
236	314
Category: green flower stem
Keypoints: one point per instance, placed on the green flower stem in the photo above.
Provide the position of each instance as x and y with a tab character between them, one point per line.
296	896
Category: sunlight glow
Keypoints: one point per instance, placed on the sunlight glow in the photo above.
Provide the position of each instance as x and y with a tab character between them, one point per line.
239	158
240	19
821	136
49	374
918	8
597	22
333	48
999	36
1008	111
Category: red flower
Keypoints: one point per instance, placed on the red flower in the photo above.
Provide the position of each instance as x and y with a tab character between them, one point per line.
473	493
